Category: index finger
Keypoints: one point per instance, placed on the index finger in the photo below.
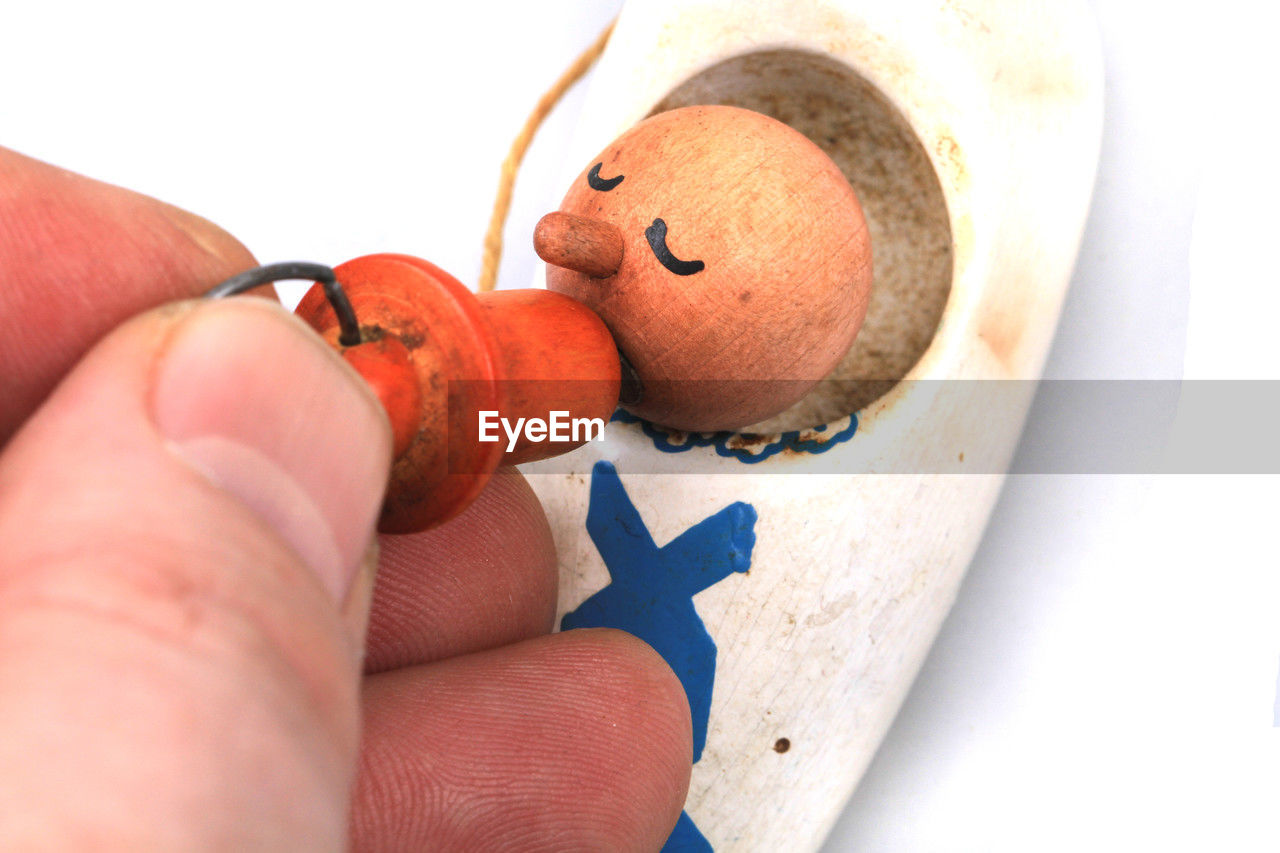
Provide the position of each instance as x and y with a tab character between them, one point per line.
77	258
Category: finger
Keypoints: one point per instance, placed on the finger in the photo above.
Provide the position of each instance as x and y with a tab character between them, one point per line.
77	258
178	525
485	579
576	741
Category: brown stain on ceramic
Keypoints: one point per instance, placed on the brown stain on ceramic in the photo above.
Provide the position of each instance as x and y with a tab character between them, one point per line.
951	158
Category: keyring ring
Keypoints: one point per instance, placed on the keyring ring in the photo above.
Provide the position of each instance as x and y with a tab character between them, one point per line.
348	325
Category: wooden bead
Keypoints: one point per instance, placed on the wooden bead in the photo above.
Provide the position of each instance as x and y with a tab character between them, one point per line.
746	265
444	332
437	357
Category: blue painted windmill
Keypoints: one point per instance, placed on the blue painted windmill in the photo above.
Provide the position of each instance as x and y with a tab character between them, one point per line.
651	595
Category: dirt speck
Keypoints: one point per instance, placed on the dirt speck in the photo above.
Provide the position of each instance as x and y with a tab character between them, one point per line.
412	339
748	441
370	334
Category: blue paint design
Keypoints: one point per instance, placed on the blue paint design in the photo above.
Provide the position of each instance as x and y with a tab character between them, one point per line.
686	838
651	591
720	440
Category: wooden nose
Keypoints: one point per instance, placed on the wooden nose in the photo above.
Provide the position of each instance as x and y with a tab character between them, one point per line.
589	246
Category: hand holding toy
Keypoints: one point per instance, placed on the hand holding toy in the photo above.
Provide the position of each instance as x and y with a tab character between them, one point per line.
721	254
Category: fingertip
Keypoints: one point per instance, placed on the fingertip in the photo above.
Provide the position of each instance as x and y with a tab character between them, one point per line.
661	724
210	251
250	397
634	671
487	578
177	524
579	740
81	257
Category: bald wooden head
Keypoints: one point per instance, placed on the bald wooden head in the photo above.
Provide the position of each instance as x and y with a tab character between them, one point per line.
734	265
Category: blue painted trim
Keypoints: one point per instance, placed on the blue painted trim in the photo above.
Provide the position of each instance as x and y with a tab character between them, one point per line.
720	440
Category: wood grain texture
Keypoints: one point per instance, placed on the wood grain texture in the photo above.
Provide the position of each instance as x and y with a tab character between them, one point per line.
589	246
438	356
556	356
786	264
442	327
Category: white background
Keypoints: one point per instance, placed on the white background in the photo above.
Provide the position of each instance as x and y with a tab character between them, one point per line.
1108	677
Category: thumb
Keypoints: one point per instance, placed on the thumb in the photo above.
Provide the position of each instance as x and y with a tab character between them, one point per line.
186	535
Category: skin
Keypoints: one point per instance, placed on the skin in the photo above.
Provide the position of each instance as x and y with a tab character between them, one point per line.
189	642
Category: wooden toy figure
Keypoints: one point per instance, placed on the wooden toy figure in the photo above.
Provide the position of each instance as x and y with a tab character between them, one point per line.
726	253
705	271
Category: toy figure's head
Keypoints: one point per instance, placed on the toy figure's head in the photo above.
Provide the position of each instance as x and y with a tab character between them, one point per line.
726	253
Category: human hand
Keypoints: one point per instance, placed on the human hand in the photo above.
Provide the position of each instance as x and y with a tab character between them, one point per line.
186	578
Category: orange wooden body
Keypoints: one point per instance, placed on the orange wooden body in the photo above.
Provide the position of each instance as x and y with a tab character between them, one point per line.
557	355
438	356
385	365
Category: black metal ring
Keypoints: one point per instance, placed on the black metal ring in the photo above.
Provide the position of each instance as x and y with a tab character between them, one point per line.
302	271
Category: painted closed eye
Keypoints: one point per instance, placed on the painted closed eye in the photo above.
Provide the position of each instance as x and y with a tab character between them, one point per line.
602	184
656	234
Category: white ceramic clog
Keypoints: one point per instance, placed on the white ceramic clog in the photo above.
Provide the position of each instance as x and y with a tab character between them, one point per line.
794	576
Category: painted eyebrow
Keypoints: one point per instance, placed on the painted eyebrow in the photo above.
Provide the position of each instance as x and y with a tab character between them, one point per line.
602	184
